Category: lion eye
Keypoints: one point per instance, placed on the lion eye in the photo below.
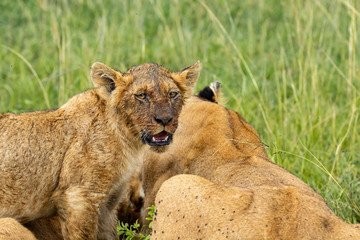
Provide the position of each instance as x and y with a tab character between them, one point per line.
140	96
173	94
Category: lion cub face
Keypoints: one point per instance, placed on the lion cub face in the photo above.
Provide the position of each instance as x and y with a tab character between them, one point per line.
147	98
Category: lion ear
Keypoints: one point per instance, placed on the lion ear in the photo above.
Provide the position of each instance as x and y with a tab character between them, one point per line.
105	78
211	93
187	78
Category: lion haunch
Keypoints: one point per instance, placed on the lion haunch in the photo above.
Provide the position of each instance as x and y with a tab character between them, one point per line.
74	162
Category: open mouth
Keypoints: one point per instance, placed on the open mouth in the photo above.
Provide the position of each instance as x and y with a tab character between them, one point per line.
160	139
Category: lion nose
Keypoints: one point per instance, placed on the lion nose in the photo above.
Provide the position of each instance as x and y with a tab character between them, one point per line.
163	121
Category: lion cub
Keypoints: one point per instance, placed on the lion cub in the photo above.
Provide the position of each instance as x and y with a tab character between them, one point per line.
75	161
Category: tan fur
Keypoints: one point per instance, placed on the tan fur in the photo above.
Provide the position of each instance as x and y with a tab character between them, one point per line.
76	161
10	229
46	228
128	211
237	192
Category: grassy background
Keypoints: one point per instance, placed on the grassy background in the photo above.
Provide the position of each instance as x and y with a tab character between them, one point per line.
291	68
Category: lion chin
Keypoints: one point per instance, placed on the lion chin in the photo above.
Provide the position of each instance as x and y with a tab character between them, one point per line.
159	149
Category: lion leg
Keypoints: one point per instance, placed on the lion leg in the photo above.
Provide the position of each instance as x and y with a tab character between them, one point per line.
107	224
78	214
108	215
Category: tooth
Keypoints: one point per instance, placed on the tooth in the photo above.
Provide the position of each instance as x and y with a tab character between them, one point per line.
153	139
166	138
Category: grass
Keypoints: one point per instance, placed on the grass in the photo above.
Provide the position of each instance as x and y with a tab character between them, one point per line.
291	68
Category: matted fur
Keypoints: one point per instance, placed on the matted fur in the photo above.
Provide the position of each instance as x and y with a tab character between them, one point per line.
236	193
76	161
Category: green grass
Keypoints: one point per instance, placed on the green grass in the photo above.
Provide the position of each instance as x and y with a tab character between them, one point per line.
291	68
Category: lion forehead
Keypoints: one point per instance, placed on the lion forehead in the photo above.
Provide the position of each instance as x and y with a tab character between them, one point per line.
149	70
151	78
